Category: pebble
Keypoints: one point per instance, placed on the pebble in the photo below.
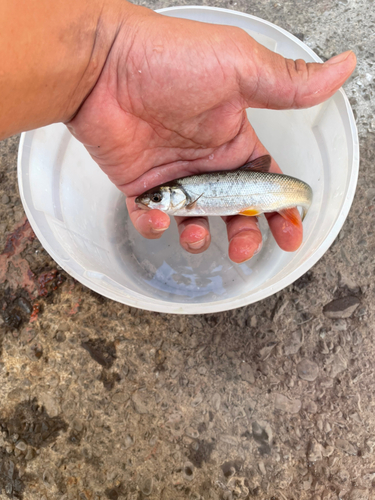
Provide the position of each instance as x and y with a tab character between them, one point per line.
287	405
18	214
262	435
160	357
226	438
5	199
142	403
21	445
216	401
129	441
24	304
147	486
314	452
60	336
307	370
188	471
247	373
344	445
9	449
49	402
310	407
338	364
197	400
327	452
294	344
359	494
262	468
190	432
341	308
120	397
281	305
323	347
18	395
30	453
326	382
340	325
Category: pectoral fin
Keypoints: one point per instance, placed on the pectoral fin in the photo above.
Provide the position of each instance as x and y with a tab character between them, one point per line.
250	212
291	215
261	164
193	204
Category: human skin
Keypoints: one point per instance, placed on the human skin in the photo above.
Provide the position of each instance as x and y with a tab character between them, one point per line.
153	98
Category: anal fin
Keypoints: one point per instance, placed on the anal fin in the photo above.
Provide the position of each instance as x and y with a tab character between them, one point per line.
250	212
291	215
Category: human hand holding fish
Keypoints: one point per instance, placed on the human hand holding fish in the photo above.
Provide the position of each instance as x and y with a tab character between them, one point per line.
177	108
155	99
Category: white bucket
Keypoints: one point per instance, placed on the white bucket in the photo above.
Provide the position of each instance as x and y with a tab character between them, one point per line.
81	219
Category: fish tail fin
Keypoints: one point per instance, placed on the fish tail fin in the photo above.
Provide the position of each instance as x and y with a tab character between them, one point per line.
304	212
291	215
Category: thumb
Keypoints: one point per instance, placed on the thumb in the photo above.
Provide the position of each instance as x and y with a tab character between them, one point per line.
283	83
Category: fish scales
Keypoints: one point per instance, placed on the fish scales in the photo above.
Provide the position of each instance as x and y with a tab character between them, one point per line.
228	193
249	190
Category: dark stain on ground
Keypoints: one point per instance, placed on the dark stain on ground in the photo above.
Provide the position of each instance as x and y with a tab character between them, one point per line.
16	238
15	311
10	482
109	379
75	437
29	423
202	454
303	282
49	281
37	350
262	438
101	351
32	424
114	493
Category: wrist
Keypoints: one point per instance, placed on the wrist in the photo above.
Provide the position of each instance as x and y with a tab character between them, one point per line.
52	54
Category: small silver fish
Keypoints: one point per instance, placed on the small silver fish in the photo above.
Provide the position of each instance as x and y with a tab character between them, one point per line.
250	190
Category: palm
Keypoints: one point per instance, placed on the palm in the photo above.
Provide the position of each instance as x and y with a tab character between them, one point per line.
173	104
158	110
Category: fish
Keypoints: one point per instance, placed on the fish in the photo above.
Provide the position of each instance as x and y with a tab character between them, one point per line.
250	190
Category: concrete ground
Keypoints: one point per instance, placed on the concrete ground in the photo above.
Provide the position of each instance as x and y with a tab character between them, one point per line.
272	401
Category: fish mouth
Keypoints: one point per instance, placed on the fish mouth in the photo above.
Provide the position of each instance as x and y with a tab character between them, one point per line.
141	204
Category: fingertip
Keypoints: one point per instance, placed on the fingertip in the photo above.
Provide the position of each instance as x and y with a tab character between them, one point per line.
151	223
348	57
244	245
288	235
194	235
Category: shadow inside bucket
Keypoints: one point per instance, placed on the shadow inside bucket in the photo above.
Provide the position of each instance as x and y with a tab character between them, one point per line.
165	271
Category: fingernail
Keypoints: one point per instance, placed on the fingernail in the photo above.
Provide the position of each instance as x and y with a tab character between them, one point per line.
158	230
339	58
197	244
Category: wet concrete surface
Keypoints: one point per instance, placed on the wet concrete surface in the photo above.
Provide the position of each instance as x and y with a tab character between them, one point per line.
272	401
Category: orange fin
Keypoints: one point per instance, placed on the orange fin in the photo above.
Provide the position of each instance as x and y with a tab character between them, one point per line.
250	212
291	215
261	164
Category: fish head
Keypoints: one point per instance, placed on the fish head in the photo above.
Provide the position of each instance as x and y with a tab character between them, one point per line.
168	199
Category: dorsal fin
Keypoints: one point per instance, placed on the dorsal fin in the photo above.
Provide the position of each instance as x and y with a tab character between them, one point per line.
261	164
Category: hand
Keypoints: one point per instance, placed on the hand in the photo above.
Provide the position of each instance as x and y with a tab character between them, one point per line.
171	101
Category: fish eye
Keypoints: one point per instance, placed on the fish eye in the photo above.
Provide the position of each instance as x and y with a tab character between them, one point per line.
156	197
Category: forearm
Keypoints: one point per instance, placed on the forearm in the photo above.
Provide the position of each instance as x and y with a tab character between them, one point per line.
51	55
